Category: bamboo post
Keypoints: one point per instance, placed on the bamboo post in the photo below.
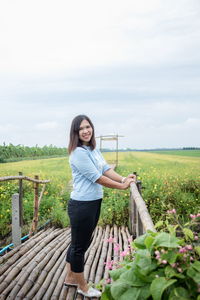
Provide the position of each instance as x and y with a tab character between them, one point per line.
20	199
100	143
16	228
139	226
36	205
117	150
41	194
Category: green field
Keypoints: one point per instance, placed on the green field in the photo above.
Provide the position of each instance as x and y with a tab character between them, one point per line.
195	153
170	181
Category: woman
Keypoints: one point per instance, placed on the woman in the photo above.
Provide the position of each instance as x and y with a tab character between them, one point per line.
90	172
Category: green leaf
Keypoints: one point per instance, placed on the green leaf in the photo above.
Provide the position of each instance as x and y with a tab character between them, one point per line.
158	224
118	288
134	293
197	250
196	265
107	293
170	256
165	239
148	242
145	292
170	272
188	234
131	278
144	261
172	229
131	293
146	273
159	285
198	298
194	273
139	242
179	293
115	274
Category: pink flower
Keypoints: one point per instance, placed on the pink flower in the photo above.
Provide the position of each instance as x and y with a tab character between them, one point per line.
157	257
108	280
191	258
173	211
173	265
164	262
163	251
124	253
117	247
188	247
196	237
157	252
192	216
182	250
179	270
109	264
198	215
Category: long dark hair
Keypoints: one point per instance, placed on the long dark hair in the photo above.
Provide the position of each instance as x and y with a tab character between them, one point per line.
74	134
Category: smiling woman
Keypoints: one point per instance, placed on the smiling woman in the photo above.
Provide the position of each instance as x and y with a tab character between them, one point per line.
90	172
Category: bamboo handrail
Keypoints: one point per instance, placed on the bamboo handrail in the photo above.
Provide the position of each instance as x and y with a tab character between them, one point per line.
6	178
144	215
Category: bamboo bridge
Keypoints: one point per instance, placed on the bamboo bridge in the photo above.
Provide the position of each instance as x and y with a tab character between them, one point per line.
36	268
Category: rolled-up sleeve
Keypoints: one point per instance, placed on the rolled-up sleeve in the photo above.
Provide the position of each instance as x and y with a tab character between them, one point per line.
106	167
84	164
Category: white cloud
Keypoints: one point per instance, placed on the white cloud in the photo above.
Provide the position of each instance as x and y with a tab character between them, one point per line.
47	125
47	36
7	128
132	66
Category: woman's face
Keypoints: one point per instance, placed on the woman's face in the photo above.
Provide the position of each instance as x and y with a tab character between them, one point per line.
85	132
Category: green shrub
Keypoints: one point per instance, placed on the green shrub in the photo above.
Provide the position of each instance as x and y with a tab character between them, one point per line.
160	265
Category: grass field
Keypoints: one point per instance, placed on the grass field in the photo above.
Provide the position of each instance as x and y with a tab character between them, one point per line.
192	153
170	181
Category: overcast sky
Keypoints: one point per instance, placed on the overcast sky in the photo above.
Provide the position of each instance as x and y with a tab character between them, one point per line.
132	66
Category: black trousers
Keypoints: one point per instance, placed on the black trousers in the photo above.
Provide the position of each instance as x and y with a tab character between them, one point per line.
84	216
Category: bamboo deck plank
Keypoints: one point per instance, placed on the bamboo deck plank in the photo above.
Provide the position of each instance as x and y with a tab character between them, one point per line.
109	255
92	252
102	259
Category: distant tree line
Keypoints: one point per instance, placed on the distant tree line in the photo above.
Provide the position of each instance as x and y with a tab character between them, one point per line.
19	152
191	148
153	149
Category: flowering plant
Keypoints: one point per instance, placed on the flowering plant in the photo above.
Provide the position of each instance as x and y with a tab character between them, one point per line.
162	265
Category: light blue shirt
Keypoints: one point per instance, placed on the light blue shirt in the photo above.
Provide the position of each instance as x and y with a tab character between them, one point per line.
87	166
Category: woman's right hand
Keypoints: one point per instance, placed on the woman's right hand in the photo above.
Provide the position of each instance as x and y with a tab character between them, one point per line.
127	183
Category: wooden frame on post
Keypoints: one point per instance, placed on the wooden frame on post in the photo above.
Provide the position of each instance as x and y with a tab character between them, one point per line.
111	137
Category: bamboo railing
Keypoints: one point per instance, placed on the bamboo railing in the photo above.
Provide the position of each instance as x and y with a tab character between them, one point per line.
17	205
139	218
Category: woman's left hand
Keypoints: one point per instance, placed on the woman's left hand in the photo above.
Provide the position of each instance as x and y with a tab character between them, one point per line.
133	176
